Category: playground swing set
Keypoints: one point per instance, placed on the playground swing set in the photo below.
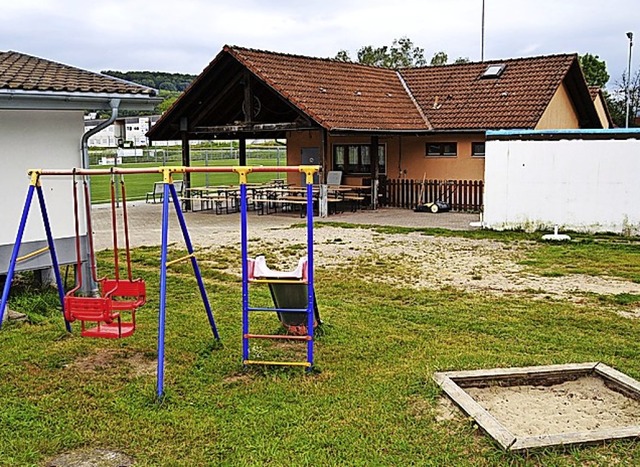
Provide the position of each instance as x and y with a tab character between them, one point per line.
117	296
292	292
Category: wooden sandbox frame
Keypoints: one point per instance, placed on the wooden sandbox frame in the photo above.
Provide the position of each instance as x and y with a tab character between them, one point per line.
454	382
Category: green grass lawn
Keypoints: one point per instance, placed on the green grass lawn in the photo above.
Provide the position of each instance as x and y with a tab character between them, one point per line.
139	185
371	400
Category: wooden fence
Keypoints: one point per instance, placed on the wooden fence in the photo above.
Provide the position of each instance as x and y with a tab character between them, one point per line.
461	195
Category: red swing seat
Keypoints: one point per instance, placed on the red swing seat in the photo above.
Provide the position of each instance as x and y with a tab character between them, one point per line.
98	310
117	295
126	295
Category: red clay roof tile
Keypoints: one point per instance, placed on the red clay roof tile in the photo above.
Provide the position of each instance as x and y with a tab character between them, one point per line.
458	97
341	95
348	96
335	94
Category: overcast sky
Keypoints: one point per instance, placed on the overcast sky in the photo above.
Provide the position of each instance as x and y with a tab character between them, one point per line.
185	35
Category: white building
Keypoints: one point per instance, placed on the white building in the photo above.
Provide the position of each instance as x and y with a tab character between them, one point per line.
42	106
127	132
580	180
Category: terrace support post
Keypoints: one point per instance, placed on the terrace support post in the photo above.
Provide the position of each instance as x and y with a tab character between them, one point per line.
324	156
186	158
375	168
242	151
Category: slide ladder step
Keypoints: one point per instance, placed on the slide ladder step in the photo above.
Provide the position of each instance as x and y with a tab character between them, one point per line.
280	310
261	362
278	336
277	281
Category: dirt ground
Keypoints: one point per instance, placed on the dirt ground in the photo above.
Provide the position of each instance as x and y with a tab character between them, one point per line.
485	266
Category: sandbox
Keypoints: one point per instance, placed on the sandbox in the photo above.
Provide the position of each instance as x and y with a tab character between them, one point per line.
532	407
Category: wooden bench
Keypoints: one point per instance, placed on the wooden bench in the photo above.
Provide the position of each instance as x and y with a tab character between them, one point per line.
207	202
283	201
354	200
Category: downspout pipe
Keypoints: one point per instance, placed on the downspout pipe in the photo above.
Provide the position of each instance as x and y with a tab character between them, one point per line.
114	104
90	284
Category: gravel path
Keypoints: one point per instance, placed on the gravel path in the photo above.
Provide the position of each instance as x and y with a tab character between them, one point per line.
417	260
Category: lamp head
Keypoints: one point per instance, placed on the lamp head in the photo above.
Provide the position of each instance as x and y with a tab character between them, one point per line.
630	35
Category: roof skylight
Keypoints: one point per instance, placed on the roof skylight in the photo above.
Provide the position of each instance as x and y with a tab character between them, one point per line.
494	71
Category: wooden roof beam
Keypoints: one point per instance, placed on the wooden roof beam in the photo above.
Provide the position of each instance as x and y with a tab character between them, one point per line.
251	128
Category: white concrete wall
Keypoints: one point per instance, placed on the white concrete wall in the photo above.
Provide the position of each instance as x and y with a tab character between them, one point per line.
582	185
38	139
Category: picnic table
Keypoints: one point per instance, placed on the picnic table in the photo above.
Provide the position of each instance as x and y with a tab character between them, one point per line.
268	198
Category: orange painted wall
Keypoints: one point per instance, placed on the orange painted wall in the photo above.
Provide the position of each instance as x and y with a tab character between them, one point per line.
414	163
405	155
296	141
602	113
560	113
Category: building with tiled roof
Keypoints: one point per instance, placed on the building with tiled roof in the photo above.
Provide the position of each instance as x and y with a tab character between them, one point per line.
28	81
42	106
600	102
420	121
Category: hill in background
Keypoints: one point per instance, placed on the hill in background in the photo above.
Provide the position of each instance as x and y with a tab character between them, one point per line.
170	86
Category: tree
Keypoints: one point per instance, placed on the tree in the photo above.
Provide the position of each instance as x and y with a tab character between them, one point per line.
169	97
617	100
594	70
374	56
167	86
343	56
439	58
402	53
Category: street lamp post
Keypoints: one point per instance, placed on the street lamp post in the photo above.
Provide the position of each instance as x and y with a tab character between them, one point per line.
630	36
482	36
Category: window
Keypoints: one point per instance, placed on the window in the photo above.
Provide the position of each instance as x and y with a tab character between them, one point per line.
356	158
442	149
477	149
494	71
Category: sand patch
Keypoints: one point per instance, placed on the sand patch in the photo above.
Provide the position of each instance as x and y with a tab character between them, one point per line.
585	404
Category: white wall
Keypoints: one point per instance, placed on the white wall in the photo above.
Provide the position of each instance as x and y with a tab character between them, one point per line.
38	139
582	185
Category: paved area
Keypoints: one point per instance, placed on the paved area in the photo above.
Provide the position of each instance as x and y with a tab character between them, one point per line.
207	228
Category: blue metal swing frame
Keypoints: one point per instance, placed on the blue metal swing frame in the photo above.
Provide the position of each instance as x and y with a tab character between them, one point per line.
169	192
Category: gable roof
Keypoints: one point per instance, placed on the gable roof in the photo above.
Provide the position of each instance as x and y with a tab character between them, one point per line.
459	97
337	95
342	96
24	76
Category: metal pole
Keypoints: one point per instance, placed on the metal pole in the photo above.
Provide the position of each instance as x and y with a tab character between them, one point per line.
310	278
206	164
482	43
16	250
245	271
163	290
194	261
630	36
52	252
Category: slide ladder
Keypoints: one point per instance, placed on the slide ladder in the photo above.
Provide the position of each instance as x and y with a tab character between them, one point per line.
292	291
